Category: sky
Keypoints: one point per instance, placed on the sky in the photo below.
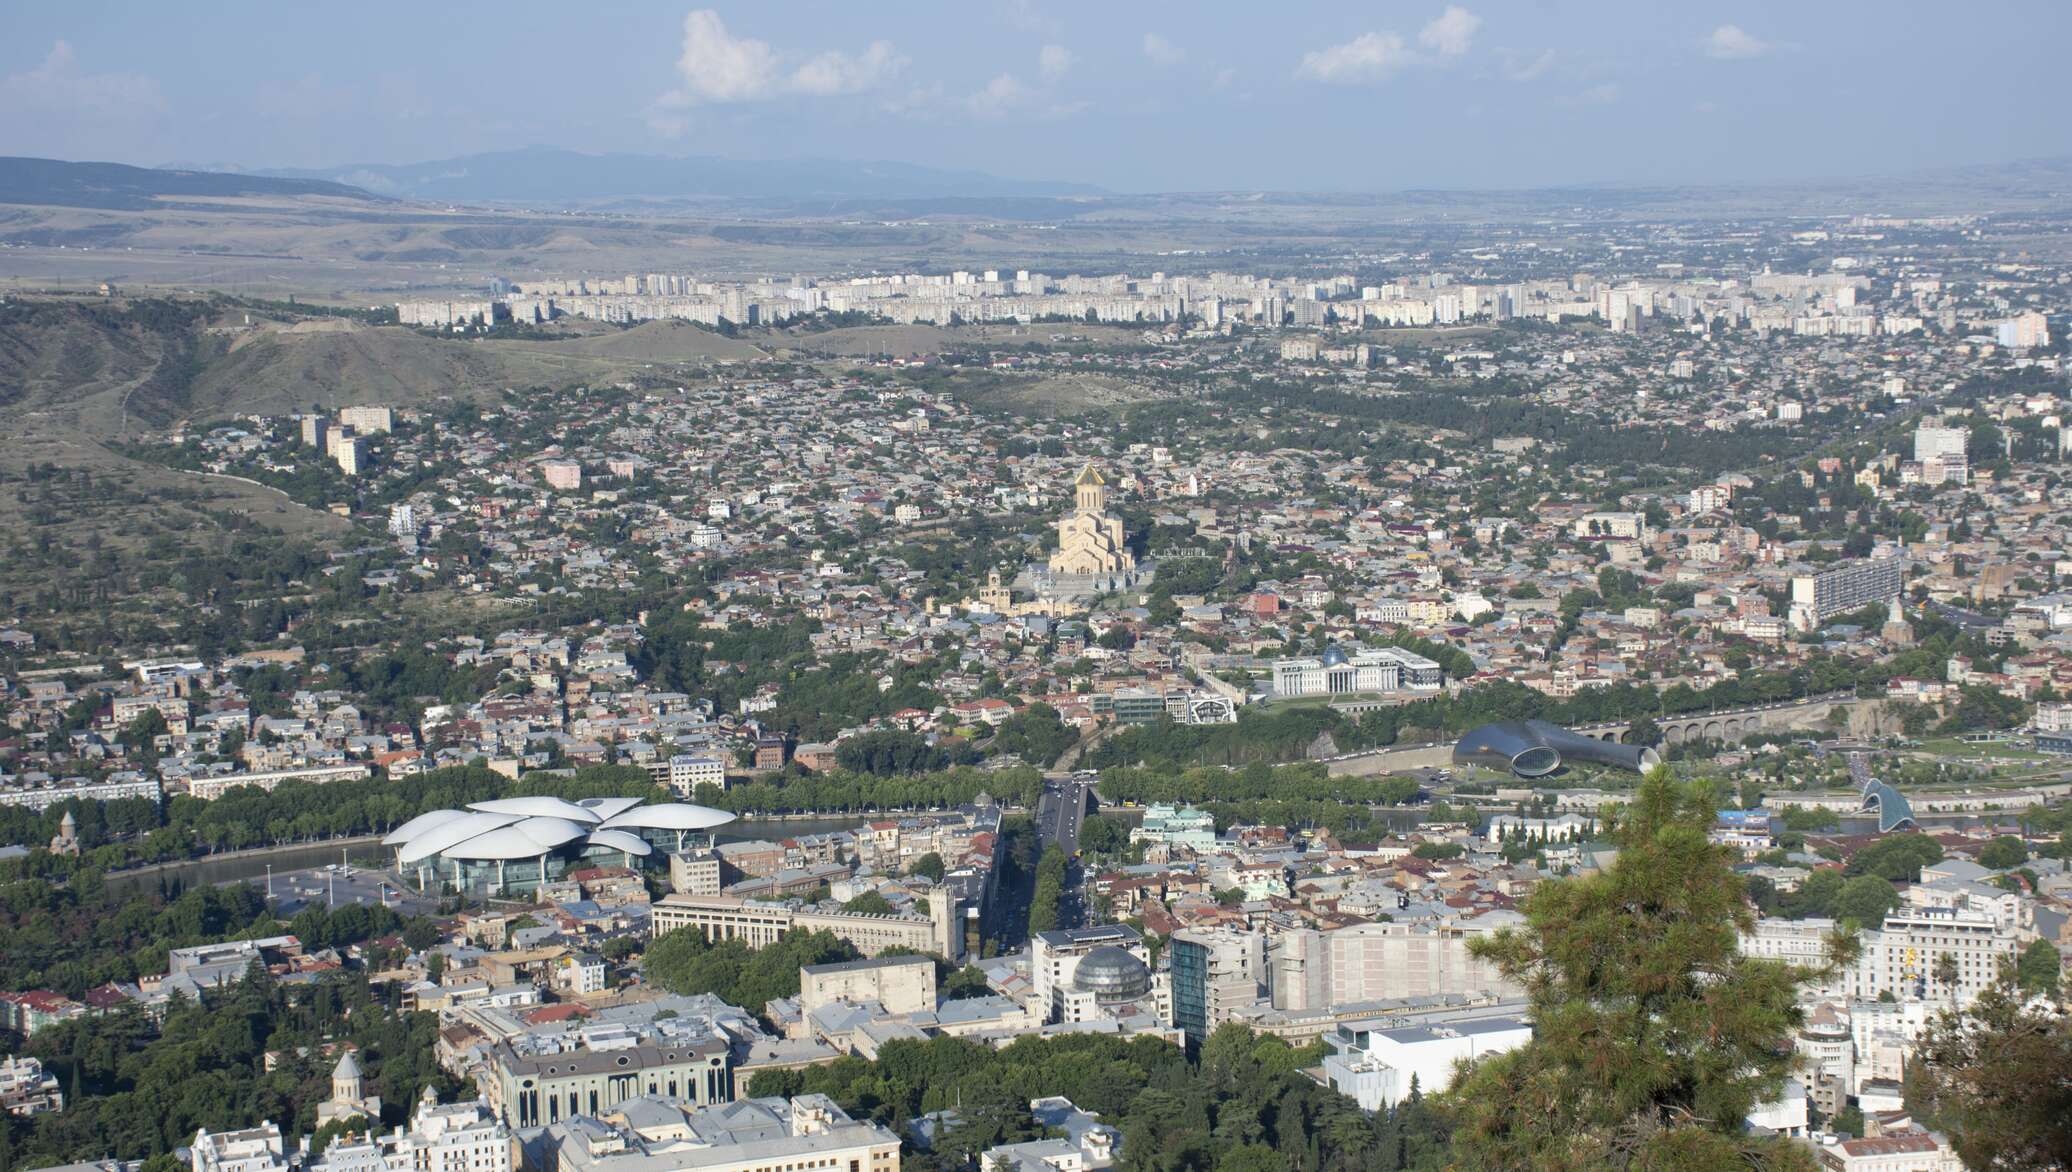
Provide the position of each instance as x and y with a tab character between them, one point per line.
1370	95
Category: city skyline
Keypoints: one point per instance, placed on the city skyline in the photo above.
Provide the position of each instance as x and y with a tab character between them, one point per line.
1476	95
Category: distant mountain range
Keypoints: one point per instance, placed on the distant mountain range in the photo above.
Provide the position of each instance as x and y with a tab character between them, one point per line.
538	175
823	188
51	182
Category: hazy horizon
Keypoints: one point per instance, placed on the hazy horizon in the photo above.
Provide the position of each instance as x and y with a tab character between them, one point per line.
1473	96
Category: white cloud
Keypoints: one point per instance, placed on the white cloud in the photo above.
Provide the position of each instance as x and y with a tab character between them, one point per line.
1008	96
919	101
1054	61
58	87
717	66
1366	58
1522	67
1729	42
1027	16
999	96
1601	94
1451	32
847	73
1161	52
1374	56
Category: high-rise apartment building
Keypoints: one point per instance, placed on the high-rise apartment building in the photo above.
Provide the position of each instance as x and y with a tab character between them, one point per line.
351	454
1369	962
1215	973
1931	441
2023	331
1843	587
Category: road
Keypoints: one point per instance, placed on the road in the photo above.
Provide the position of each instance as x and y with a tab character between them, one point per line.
1962	617
1061	811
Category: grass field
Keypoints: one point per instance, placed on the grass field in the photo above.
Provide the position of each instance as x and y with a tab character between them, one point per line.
2016	750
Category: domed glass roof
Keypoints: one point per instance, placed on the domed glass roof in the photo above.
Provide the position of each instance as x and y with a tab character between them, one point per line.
1334	655
1111	974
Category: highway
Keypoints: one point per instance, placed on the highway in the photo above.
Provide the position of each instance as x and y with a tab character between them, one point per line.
1061	811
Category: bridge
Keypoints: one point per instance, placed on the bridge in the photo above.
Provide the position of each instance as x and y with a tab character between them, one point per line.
1732	725
1684	728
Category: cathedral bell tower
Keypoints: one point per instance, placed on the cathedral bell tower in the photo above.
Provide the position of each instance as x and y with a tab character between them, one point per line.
1092	490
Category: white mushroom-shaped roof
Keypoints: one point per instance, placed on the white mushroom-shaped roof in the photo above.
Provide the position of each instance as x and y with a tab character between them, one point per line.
523	828
669	816
419	825
539	807
620	840
605	808
524	839
452	833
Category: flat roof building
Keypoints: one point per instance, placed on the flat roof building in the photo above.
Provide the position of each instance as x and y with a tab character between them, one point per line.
754	1135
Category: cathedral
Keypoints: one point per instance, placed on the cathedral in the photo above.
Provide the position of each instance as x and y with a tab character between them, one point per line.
1093	556
1090	541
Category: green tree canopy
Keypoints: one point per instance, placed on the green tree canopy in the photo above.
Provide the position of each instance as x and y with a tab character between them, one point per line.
2002	853
685	962
1654	1035
1897	857
1864	899
1998	1077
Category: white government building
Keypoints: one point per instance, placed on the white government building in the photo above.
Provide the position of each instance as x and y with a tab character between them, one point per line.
1338	672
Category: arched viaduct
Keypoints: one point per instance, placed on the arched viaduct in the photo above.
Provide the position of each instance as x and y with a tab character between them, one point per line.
1811	712
1807	714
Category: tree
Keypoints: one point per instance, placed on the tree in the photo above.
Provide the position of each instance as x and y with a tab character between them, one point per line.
1999	1079
1898	858
928	866
2002	853
887	752
1864	899
2038	968
1050	890
1655	1035
1945	971
869	903
1644	732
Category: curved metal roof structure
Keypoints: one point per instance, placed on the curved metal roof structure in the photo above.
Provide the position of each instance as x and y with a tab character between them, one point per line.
619	840
451	833
527	828
605	808
421	824
539	808
670	816
1892	807
526	839
1534	748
